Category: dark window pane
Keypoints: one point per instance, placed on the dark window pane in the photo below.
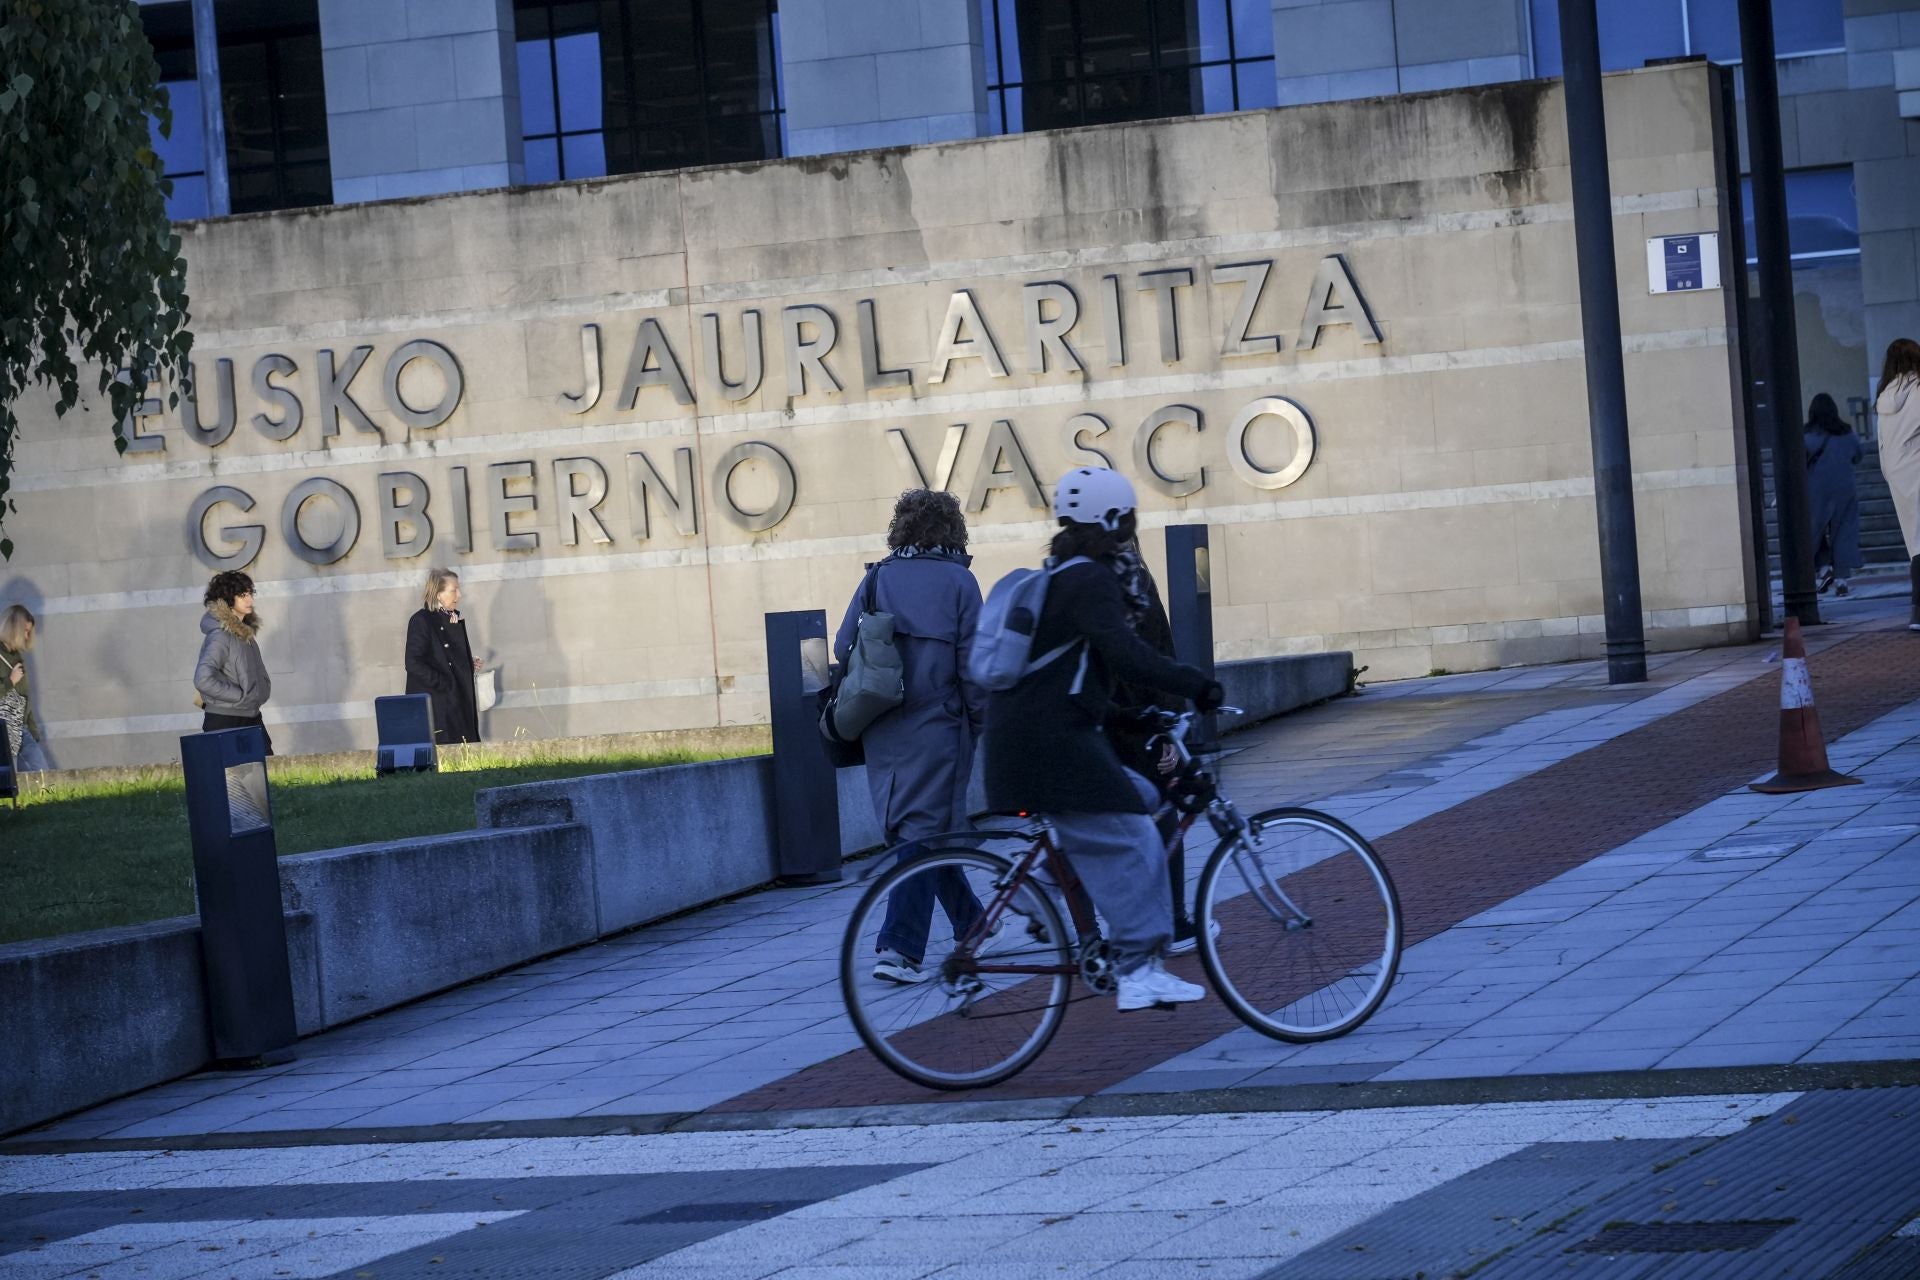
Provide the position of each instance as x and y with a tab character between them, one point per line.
184	152
585	155
578	77
300	84
251	190
1252	30
530	21
662	61
1046	46
248	97
1130	97
304	185
189	198
1258	88
1053	106
1175	32
536	87
543	160
739	49
1114	37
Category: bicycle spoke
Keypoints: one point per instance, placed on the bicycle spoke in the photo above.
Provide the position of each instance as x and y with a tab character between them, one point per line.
1310	929
990	993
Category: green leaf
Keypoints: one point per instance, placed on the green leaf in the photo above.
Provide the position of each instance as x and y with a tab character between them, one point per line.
93	100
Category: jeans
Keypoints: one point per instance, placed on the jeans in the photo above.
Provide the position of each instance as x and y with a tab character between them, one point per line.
32	757
1122	863
910	907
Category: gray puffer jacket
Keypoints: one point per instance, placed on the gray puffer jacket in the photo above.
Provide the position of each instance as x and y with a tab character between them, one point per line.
231	675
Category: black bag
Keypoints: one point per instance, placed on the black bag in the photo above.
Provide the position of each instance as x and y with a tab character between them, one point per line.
843	753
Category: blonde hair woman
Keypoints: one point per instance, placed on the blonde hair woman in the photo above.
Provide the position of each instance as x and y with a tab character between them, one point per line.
16	699
440	661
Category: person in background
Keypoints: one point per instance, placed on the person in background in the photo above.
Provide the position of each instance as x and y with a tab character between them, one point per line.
16	698
1899	408
231	678
1832	451
920	754
440	661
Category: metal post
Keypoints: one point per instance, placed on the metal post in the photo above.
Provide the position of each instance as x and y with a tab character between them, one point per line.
806	792
1600	327
1733	274
1776	302
236	878
1190	611
213	120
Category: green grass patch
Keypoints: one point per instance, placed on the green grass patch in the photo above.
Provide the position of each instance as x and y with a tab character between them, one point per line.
91	852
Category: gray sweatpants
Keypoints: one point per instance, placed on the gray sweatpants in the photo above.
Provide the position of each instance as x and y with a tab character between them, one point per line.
1120	859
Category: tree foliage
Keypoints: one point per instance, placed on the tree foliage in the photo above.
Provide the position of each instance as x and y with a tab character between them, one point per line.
91	278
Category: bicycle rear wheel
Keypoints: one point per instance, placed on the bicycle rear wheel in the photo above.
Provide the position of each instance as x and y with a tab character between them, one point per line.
1310	930
992	986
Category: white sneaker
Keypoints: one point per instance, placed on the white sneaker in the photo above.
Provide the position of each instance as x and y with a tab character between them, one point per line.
1186	940
1151	985
897	969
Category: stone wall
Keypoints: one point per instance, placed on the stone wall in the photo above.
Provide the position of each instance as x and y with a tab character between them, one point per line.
1346	336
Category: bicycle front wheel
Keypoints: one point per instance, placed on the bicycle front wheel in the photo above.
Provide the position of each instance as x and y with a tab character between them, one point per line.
991	987
1309	926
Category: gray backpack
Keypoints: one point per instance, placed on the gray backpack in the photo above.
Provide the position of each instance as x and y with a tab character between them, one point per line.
1002	653
875	682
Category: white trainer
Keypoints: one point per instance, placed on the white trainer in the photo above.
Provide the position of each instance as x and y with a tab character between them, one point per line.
898	969
1151	985
1185	941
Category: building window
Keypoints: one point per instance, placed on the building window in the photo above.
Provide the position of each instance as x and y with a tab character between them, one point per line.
273	104
183	155
1634	31
1054	63
1829	298
625	86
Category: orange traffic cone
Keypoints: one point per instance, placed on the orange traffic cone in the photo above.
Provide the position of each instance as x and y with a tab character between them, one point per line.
1803	752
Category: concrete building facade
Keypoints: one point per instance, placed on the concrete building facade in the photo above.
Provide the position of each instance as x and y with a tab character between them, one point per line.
637	413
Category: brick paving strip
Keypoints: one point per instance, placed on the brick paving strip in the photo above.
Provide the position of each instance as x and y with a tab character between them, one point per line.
1453	865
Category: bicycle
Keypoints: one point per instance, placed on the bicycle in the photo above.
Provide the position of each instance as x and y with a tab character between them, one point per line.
1306	946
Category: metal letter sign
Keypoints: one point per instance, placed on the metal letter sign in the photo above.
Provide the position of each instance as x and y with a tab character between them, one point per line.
1683	264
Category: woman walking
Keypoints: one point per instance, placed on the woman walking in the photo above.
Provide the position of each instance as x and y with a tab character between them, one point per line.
440	661
1899	409
1832	451
16	699
920	754
231	676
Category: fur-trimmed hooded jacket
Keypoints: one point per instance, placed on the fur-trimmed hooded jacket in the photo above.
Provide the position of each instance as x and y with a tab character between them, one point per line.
231	676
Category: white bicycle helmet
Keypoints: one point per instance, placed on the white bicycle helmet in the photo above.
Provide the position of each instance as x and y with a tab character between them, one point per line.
1093	495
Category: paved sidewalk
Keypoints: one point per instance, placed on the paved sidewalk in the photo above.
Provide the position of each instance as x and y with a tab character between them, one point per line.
729	1006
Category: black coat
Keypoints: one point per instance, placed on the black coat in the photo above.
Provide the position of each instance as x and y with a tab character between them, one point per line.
440	664
1046	748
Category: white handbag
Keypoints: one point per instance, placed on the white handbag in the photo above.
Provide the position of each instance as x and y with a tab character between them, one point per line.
486	688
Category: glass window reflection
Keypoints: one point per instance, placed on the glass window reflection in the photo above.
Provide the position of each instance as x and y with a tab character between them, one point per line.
622	86
1055	63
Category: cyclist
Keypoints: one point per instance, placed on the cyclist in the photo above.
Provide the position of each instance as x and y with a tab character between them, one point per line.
1047	748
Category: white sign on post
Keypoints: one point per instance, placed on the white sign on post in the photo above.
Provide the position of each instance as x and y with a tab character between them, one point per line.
1683	264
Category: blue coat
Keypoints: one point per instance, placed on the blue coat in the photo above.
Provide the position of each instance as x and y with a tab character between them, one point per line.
920	754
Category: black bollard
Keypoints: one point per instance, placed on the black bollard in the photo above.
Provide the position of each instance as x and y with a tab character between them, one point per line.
405	724
806	796
1190	611
236	876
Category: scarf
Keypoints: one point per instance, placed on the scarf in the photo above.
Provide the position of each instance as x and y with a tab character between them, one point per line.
909	552
1132	572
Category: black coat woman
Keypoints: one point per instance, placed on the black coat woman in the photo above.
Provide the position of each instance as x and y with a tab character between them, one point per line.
440	661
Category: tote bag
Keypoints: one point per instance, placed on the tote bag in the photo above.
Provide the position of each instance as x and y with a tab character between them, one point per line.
875	681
